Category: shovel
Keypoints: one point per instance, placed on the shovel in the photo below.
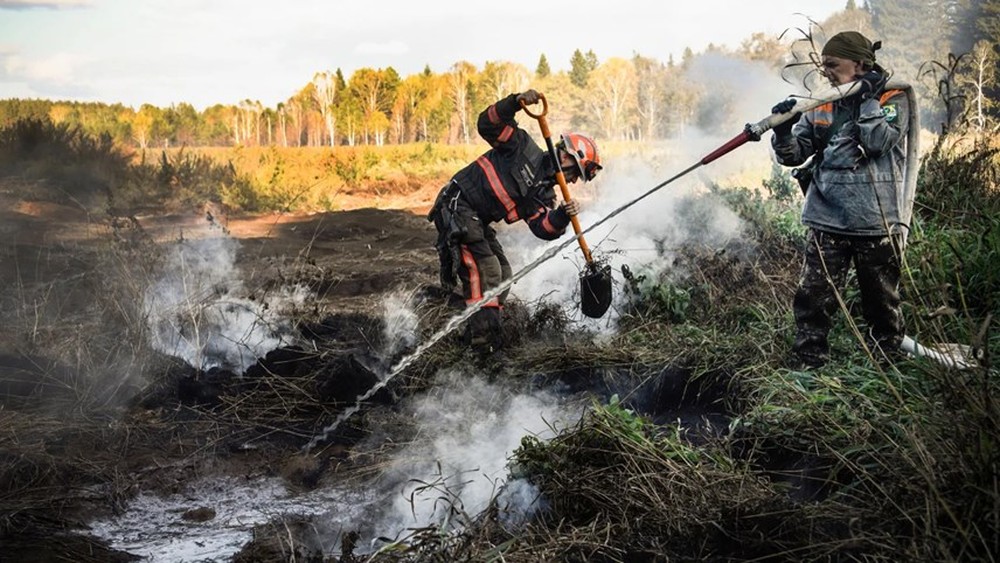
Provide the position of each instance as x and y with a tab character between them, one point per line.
595	279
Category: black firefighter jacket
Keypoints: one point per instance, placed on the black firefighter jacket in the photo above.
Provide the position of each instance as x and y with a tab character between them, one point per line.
513	180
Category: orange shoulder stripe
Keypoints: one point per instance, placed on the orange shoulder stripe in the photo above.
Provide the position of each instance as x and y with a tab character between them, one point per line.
498	190
492	114
888	94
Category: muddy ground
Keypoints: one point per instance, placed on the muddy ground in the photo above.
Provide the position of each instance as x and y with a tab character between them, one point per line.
77	440
94	421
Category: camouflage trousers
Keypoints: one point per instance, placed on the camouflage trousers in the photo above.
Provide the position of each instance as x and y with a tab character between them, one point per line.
828	259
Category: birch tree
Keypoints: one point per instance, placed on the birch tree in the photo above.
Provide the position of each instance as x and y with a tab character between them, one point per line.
324	94
459	88
977	75
282	114
295	112
375	91
433	110
651	85
142	125
411	92
612	87
502	78
313	126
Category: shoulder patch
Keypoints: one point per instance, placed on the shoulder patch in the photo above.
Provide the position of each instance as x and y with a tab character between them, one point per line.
889	112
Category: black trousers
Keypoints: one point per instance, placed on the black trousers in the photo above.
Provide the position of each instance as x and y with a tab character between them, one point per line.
470	252
828	259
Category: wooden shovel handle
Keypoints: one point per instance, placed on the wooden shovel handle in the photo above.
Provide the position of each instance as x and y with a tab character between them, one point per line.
560	177
543	113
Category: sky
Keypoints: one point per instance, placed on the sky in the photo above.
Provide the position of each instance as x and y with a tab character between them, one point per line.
205	52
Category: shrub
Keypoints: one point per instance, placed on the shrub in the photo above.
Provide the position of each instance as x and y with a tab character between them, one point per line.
958	224
61	163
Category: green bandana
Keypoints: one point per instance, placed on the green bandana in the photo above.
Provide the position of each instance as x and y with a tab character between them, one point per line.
852	46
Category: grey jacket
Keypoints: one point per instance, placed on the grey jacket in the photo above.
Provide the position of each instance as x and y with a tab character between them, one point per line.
857	185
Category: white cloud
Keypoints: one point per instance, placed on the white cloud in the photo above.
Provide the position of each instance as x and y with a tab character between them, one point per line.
59	68
56	75
168	51
387	48
12	63
43	4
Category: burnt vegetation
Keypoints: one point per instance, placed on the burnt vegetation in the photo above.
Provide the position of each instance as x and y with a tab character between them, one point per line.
699	444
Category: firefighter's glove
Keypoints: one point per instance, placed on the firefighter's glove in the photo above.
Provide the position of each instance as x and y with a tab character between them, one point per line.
528	97
784	106
571	208
785	128
871	84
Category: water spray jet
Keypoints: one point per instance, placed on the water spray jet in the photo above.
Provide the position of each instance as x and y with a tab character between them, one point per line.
751	132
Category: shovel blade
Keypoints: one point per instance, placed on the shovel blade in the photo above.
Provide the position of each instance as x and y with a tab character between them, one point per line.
595	290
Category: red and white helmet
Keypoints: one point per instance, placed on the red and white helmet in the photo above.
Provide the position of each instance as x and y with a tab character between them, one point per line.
583	150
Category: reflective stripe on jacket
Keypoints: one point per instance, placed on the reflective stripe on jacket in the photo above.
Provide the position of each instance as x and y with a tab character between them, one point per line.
857	186
514	179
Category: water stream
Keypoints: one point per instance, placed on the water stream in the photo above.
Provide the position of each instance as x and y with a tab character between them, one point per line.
468	428
447	329
457	320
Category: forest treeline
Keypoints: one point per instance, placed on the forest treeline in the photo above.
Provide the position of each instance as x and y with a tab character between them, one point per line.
951	53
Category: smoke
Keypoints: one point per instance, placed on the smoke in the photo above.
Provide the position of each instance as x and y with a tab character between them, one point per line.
199	311
468	428
646	236
400	324
733	92
518	502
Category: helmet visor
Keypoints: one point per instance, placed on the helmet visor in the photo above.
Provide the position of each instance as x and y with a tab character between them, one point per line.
576	153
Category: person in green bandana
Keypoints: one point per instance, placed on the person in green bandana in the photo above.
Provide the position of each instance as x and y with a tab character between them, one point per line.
854	150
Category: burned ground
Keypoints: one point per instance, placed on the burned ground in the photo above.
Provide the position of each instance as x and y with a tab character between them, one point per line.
92	416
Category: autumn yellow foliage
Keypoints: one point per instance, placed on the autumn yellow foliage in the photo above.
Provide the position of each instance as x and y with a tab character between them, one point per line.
330	179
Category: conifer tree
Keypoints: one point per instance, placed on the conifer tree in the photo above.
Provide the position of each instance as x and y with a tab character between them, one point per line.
341	83
542	70
579	69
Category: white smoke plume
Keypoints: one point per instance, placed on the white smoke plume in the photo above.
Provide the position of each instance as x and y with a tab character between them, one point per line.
199	311
645	236
468	429
400	324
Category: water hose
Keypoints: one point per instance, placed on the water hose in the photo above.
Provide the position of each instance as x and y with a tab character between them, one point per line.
752	132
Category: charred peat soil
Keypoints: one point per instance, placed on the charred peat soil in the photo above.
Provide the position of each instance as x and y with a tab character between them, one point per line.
659	463
90	415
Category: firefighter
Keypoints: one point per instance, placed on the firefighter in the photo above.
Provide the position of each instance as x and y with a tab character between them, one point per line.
852	199
513	181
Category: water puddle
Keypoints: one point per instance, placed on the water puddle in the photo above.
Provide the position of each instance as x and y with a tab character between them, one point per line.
154	526
467	429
